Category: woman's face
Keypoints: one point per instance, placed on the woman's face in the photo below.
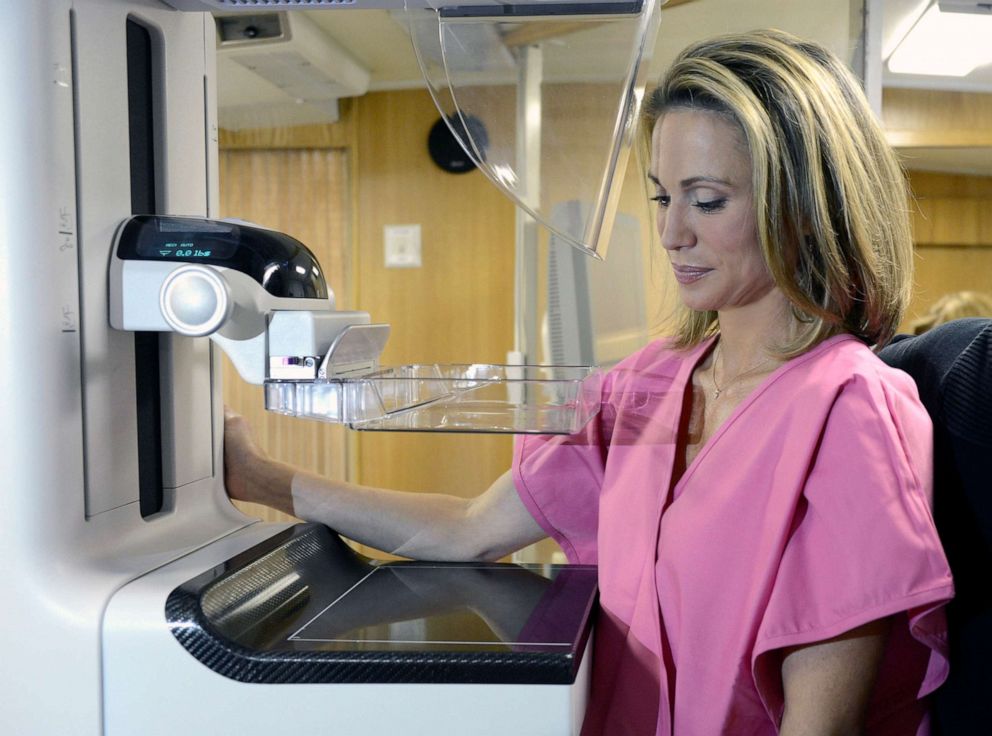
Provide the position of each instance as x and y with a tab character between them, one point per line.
706	216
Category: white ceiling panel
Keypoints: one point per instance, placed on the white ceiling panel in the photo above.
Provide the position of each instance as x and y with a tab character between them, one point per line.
379	42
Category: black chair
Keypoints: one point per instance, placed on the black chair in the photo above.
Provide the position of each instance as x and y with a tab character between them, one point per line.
952	366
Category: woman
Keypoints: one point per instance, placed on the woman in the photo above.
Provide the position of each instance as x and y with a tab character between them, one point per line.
755	490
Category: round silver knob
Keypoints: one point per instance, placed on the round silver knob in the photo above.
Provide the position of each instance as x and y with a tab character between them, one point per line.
195	300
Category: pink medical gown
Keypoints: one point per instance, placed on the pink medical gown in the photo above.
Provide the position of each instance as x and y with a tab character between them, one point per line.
805	515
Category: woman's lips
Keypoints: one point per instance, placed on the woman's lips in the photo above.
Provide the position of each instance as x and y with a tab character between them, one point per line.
689	274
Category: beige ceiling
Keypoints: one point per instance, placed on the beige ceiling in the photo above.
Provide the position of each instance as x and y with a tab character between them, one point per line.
378	40
380	43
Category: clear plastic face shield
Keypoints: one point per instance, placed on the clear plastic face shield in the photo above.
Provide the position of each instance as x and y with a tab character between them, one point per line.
544	97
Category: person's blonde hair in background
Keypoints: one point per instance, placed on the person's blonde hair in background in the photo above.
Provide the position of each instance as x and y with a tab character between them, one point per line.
956	305
831	197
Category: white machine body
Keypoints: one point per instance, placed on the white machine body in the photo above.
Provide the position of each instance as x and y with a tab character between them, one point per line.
71	533
180	695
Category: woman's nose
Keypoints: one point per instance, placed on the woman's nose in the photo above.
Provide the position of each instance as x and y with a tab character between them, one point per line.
673	228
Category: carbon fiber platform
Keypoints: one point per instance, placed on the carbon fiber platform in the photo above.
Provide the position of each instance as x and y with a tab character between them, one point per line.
302	607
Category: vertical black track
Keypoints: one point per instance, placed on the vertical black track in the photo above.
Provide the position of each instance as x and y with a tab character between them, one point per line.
141	132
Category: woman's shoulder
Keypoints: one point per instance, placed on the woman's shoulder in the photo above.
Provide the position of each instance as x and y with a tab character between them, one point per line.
658	361
844	359
840	380
661	351
857	383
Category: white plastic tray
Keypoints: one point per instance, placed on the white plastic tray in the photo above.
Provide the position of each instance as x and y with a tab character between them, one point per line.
517	399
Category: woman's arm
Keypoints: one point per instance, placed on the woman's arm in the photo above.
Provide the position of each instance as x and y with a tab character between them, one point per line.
427	526
827	685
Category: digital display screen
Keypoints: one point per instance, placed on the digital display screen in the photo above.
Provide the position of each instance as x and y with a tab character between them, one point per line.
187	249
280	263
174	241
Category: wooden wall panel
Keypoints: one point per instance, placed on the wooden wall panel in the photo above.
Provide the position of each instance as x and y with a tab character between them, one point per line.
952	229
952	213
933	118
952	221
457	307
303	193
942	270
320	136
951	209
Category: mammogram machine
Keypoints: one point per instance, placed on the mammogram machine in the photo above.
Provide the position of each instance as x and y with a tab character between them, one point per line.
137	600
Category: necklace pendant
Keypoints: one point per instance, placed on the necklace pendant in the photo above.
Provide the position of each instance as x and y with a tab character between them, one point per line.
717	392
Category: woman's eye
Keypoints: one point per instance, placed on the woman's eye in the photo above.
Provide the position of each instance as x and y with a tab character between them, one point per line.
712	205
663	200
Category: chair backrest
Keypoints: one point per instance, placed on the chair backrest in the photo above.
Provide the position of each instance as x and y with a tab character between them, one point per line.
952	366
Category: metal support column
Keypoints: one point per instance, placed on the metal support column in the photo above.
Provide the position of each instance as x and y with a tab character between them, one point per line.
526	328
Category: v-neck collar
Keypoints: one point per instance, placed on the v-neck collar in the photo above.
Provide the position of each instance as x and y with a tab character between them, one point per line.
689	367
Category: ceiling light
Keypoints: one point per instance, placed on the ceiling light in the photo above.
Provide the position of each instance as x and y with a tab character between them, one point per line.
944	44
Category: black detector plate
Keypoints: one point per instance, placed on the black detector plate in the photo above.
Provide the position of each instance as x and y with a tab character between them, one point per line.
304	607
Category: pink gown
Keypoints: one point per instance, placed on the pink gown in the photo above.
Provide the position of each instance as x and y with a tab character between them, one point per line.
806	514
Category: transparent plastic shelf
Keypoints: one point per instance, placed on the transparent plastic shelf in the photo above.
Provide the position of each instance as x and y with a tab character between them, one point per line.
525	399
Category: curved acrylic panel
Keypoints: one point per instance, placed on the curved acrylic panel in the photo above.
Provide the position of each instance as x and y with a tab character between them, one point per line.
544	97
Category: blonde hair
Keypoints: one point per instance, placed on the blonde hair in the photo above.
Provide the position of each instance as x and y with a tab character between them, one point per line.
958	305
831	198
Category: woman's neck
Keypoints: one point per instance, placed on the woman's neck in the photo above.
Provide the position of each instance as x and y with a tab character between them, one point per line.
751	333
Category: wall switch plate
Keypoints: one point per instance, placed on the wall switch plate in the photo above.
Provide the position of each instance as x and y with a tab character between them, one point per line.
402	246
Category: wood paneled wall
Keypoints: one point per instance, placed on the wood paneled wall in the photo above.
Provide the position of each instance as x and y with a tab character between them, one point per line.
952	213
951	209
458	307
952	226
303	193
934	118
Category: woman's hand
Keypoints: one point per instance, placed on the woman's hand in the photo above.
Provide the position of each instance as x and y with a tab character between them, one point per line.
249	474
240	455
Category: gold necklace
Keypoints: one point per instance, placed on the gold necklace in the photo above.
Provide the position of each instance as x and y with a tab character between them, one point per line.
717	388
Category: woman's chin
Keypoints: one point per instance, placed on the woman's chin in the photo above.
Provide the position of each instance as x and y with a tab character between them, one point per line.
696	304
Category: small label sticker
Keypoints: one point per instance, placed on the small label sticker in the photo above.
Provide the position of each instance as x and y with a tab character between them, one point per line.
69	322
